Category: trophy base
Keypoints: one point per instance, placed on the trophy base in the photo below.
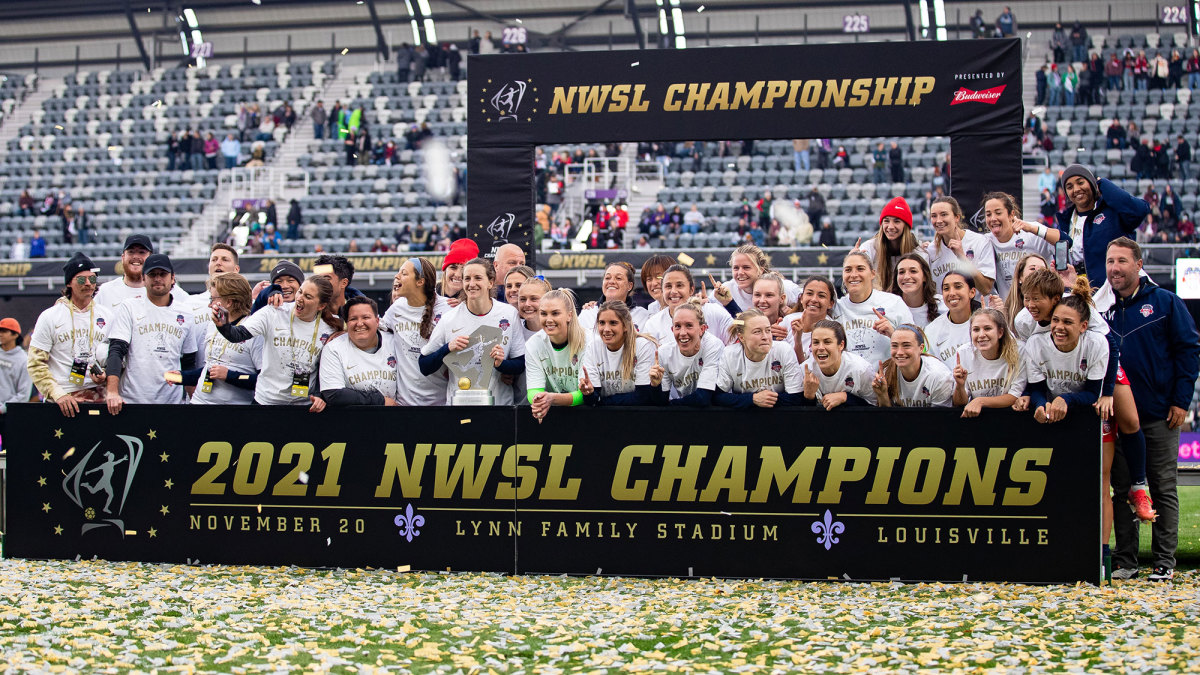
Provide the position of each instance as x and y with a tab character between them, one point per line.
473	397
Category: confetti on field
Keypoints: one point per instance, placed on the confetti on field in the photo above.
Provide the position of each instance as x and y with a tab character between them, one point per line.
100	616
686	260
345	51
70	451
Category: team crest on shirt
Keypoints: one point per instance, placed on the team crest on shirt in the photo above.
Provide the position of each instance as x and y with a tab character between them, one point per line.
849	381
324	338
179	319
1146	310
881	310
924	390
99	322
1020	243
1083	364
701	361
575	360
437	318
970	254
504	324
1099	219
391	361
776	366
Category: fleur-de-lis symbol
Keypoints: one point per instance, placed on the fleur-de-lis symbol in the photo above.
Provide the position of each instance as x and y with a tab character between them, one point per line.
408	522
826	529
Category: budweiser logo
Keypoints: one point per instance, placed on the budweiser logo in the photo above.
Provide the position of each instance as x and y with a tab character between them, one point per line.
990	96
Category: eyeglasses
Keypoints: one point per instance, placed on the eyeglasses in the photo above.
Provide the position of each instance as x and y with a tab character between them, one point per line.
84	281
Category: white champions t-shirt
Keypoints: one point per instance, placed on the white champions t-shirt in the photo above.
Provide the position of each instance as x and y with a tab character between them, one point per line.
243	357
114	292
715	315
1009	253
550	368
976	248
460	321
990	377
858	318
604	366
945	337
778	371
854	376
920	315
683	375
290	345
933	386
1066	372
157	337
403	323
345	366
65	332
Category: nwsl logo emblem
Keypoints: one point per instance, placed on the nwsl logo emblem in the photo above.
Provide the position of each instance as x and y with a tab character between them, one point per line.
100	488
501	226
507	101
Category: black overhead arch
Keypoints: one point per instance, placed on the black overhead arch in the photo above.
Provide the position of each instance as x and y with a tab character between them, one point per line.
967	90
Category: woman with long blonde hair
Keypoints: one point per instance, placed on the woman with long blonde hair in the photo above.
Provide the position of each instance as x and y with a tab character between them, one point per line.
554	355
616	367
988	372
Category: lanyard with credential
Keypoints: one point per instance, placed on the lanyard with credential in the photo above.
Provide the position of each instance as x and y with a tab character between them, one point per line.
292	336
91	322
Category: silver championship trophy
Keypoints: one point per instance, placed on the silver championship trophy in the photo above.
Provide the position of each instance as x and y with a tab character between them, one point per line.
473	368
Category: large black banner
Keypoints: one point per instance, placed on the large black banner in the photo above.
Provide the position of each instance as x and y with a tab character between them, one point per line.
965	89
852	494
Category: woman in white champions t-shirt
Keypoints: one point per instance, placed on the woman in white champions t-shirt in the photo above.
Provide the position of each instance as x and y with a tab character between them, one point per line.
1067	364
894	240
911	378
989	372
617	360
914	285
415	311
229	371
747	263
554	355
529	297
1013	238
952	330
617	286
1014	302
358	367
687	368
453	332
677	288
815	304
868	314
292	338
833	377
956	248
652	276
757	370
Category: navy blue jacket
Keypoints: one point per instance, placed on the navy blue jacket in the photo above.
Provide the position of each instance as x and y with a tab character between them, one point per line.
1116	214
1160	349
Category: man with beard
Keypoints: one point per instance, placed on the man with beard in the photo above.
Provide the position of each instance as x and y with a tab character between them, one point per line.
131	283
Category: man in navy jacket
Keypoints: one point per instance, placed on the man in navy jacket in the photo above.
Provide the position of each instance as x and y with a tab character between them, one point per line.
1099	213
1160	353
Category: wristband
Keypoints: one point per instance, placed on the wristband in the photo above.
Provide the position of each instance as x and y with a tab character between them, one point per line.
1041	231
576	398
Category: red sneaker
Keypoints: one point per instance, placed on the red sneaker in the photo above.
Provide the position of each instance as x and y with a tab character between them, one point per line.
1142	505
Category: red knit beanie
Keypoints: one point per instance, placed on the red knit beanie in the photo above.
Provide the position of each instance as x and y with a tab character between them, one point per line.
463	250
898	208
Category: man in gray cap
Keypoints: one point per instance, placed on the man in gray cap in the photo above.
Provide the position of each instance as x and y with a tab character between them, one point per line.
131	284
1098	213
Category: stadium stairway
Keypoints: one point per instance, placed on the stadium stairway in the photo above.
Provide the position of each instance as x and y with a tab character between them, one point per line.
28	109
297	144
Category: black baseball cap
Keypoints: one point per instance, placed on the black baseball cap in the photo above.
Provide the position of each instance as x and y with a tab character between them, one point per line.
138	240
157	261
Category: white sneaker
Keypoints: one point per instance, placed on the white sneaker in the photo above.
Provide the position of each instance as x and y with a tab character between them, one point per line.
1161	573
1124	573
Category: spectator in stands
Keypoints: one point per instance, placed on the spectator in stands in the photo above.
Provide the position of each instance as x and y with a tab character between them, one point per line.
1141	71
1006	22
1160	354
333	120
172	150
1175	70
1048	207
266	129
1054	86
800	159
1059	43
245	122
554	191
289	116
693	220
454	63
1079	42
211	148
1192	68
1162	160
362	147
379	247
231	149
1039	79
1113	70
1183	157
936	180
25	203
896	159
256	157
474	43
1070	84
49	204
1186	229
270	239
1116	136
195	149
756	235
1046	179
816	206
978	27
674	222
20	250
879	158
841	158
350	146
420	61
254	244
37	245
488	44
68	225
1142	163
318	115
1160	69
1170	205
